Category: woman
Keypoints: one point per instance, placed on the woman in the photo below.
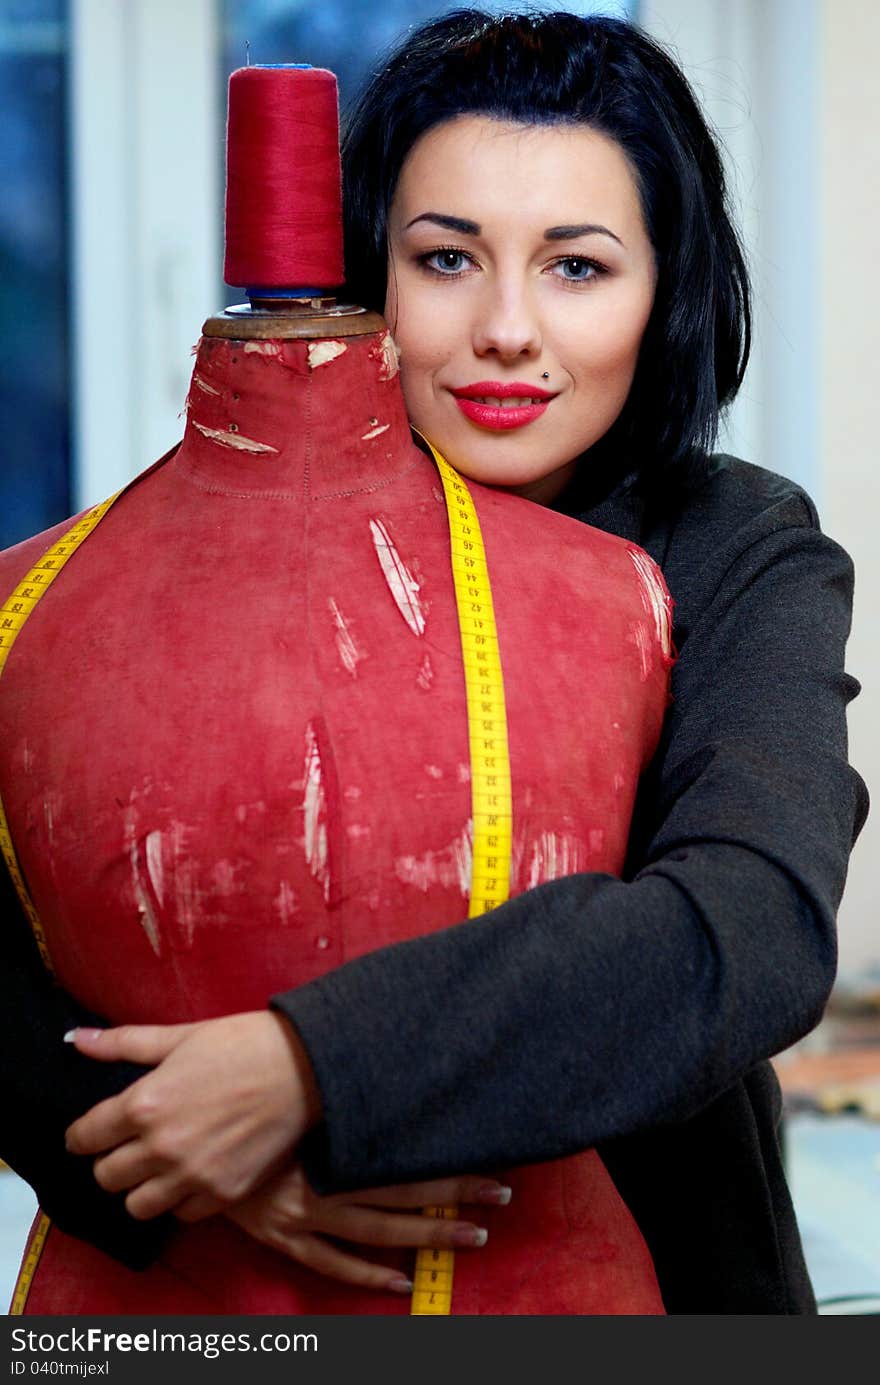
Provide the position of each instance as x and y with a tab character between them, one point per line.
537	201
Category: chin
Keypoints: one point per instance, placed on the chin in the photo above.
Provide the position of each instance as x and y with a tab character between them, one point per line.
488	473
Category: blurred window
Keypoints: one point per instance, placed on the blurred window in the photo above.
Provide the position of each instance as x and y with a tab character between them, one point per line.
346	36
34	383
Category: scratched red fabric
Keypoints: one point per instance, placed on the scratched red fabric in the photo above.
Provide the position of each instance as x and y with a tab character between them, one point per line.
235	754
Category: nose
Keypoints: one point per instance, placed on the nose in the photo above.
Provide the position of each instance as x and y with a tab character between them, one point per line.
506	323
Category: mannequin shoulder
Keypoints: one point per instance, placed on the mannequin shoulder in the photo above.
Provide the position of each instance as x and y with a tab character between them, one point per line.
17	561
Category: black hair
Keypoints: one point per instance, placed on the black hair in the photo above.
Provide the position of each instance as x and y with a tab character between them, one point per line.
560	68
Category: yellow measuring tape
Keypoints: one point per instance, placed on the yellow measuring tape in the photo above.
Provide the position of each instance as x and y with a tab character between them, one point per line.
13	614
28	1269
490	784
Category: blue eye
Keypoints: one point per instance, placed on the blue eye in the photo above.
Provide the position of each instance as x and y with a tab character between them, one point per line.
445	261
580	270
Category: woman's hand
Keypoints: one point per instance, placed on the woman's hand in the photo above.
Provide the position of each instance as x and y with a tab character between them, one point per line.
285	1214
225	1107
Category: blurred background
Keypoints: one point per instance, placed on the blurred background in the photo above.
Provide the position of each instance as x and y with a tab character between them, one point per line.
111	251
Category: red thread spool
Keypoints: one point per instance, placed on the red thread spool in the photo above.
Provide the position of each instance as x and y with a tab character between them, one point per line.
283	181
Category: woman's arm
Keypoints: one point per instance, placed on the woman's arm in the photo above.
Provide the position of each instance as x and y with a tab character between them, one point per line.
590	1007
47	1082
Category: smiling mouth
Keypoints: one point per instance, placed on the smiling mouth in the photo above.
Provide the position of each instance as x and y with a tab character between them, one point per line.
516	402
501	412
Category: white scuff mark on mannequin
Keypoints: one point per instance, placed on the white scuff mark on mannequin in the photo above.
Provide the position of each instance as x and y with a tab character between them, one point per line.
554	855
49	819
655	599
244	810
452	866
234	440
374	432
597	839
401	583
203	384
434	771
352	793
286	902
320	352
315	814
262	348
143	904
348	650
140	889
618	781
27	758
386	353
644	642
464	774
357	831
155	865
425	675
146	913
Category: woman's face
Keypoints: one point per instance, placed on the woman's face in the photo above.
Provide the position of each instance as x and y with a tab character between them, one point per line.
520	283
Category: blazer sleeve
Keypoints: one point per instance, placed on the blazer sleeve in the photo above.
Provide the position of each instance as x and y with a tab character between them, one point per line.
593	1007
45	1085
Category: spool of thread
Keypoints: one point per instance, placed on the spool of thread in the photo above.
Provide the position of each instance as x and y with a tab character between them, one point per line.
283	180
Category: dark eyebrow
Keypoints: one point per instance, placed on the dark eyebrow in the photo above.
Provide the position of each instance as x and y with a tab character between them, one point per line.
472	228
573	232
451	223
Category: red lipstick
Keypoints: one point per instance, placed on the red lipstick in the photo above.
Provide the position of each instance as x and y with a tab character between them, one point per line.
481	402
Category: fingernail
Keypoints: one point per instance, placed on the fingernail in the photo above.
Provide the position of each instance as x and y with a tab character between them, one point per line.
495	1192
87	1034
466	1235
401	1286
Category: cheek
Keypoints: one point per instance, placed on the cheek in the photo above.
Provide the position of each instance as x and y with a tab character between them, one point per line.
417	374
426	340
613	344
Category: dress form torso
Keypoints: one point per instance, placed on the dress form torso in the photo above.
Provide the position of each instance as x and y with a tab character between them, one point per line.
257	767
